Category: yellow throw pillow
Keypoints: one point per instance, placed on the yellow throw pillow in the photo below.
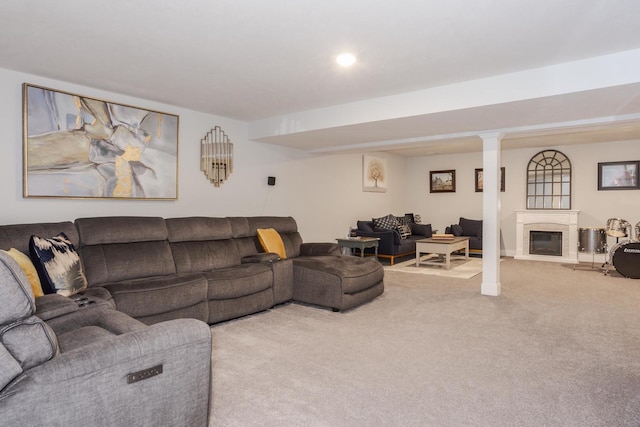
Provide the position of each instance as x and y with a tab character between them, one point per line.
27	266
271	241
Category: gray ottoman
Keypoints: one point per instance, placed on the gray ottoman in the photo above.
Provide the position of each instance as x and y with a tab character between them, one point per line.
337	282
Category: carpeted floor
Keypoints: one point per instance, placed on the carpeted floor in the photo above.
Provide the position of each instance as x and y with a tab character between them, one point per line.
558	347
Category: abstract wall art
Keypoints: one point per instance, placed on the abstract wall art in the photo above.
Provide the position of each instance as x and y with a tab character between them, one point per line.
81	147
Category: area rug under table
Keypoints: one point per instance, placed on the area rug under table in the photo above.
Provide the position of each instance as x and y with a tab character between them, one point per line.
461	268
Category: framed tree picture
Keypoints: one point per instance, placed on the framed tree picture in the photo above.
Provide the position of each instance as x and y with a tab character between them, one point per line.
442	181
479	180
374	174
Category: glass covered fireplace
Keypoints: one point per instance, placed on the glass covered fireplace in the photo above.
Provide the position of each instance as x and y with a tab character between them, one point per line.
545	243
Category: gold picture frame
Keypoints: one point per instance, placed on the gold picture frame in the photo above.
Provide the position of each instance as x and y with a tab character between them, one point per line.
81	147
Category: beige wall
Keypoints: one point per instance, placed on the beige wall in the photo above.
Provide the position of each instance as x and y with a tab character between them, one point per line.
595	206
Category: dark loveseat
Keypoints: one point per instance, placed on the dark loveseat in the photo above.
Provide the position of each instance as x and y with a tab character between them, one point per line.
471	228
392	243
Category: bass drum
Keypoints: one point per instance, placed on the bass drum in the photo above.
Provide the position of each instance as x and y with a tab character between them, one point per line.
625	257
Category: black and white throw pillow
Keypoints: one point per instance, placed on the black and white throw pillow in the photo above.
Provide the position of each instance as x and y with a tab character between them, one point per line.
58	265
404	230
388	222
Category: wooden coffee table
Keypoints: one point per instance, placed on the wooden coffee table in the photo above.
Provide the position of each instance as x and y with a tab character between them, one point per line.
441	247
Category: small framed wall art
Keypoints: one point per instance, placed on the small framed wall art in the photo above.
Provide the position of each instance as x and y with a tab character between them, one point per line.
374	174
80	147
442	181
479	180
618	175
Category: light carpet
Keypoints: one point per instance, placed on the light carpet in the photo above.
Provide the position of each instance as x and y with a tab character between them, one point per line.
558	347
461	268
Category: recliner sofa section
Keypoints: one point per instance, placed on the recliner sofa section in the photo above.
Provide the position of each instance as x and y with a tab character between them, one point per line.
49	370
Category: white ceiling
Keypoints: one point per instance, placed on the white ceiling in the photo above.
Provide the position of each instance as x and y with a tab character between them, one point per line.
256	59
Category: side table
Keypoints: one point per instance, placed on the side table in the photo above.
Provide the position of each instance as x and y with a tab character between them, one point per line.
359	243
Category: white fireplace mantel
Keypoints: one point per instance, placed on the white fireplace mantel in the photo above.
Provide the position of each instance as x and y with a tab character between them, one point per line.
565	221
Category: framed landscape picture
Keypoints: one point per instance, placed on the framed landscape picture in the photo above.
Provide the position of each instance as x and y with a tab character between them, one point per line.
81	147
618	175
479	185
442	181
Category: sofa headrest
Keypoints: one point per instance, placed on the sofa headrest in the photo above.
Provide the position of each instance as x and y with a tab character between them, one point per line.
16	296
121	229
194	229
282	224
17	235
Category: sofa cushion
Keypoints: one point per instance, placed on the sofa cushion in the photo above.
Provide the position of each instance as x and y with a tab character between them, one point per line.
58	265
236	282
423	230
388	222
471	227
271	241
285	226
365	226
124	261
197	256
456	229
404	231
350	274
155	295
29	269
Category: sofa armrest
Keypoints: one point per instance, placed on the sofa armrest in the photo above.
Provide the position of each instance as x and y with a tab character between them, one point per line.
172	366
50	306
311	249
388	239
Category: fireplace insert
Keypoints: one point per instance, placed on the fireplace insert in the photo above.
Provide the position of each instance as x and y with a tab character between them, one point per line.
545	243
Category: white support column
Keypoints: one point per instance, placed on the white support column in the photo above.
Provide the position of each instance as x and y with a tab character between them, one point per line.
491	214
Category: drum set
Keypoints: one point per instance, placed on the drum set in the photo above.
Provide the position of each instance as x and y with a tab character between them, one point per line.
624	255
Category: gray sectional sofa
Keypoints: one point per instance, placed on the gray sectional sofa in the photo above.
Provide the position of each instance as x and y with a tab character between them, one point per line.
153	286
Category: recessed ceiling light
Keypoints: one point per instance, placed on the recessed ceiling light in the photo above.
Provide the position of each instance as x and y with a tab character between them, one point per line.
346	59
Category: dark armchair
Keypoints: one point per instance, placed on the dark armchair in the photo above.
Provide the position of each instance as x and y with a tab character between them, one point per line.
471	228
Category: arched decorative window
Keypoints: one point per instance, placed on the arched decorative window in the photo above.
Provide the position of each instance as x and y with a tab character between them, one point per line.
549	181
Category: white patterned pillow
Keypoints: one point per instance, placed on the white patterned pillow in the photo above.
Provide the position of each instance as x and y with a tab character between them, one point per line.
388	222
404	230
58	265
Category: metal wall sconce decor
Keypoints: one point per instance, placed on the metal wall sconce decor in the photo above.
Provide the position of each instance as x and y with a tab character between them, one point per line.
216	152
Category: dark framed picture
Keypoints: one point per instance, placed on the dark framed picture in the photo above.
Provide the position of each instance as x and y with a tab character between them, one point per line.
442	181
479	180
618	175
